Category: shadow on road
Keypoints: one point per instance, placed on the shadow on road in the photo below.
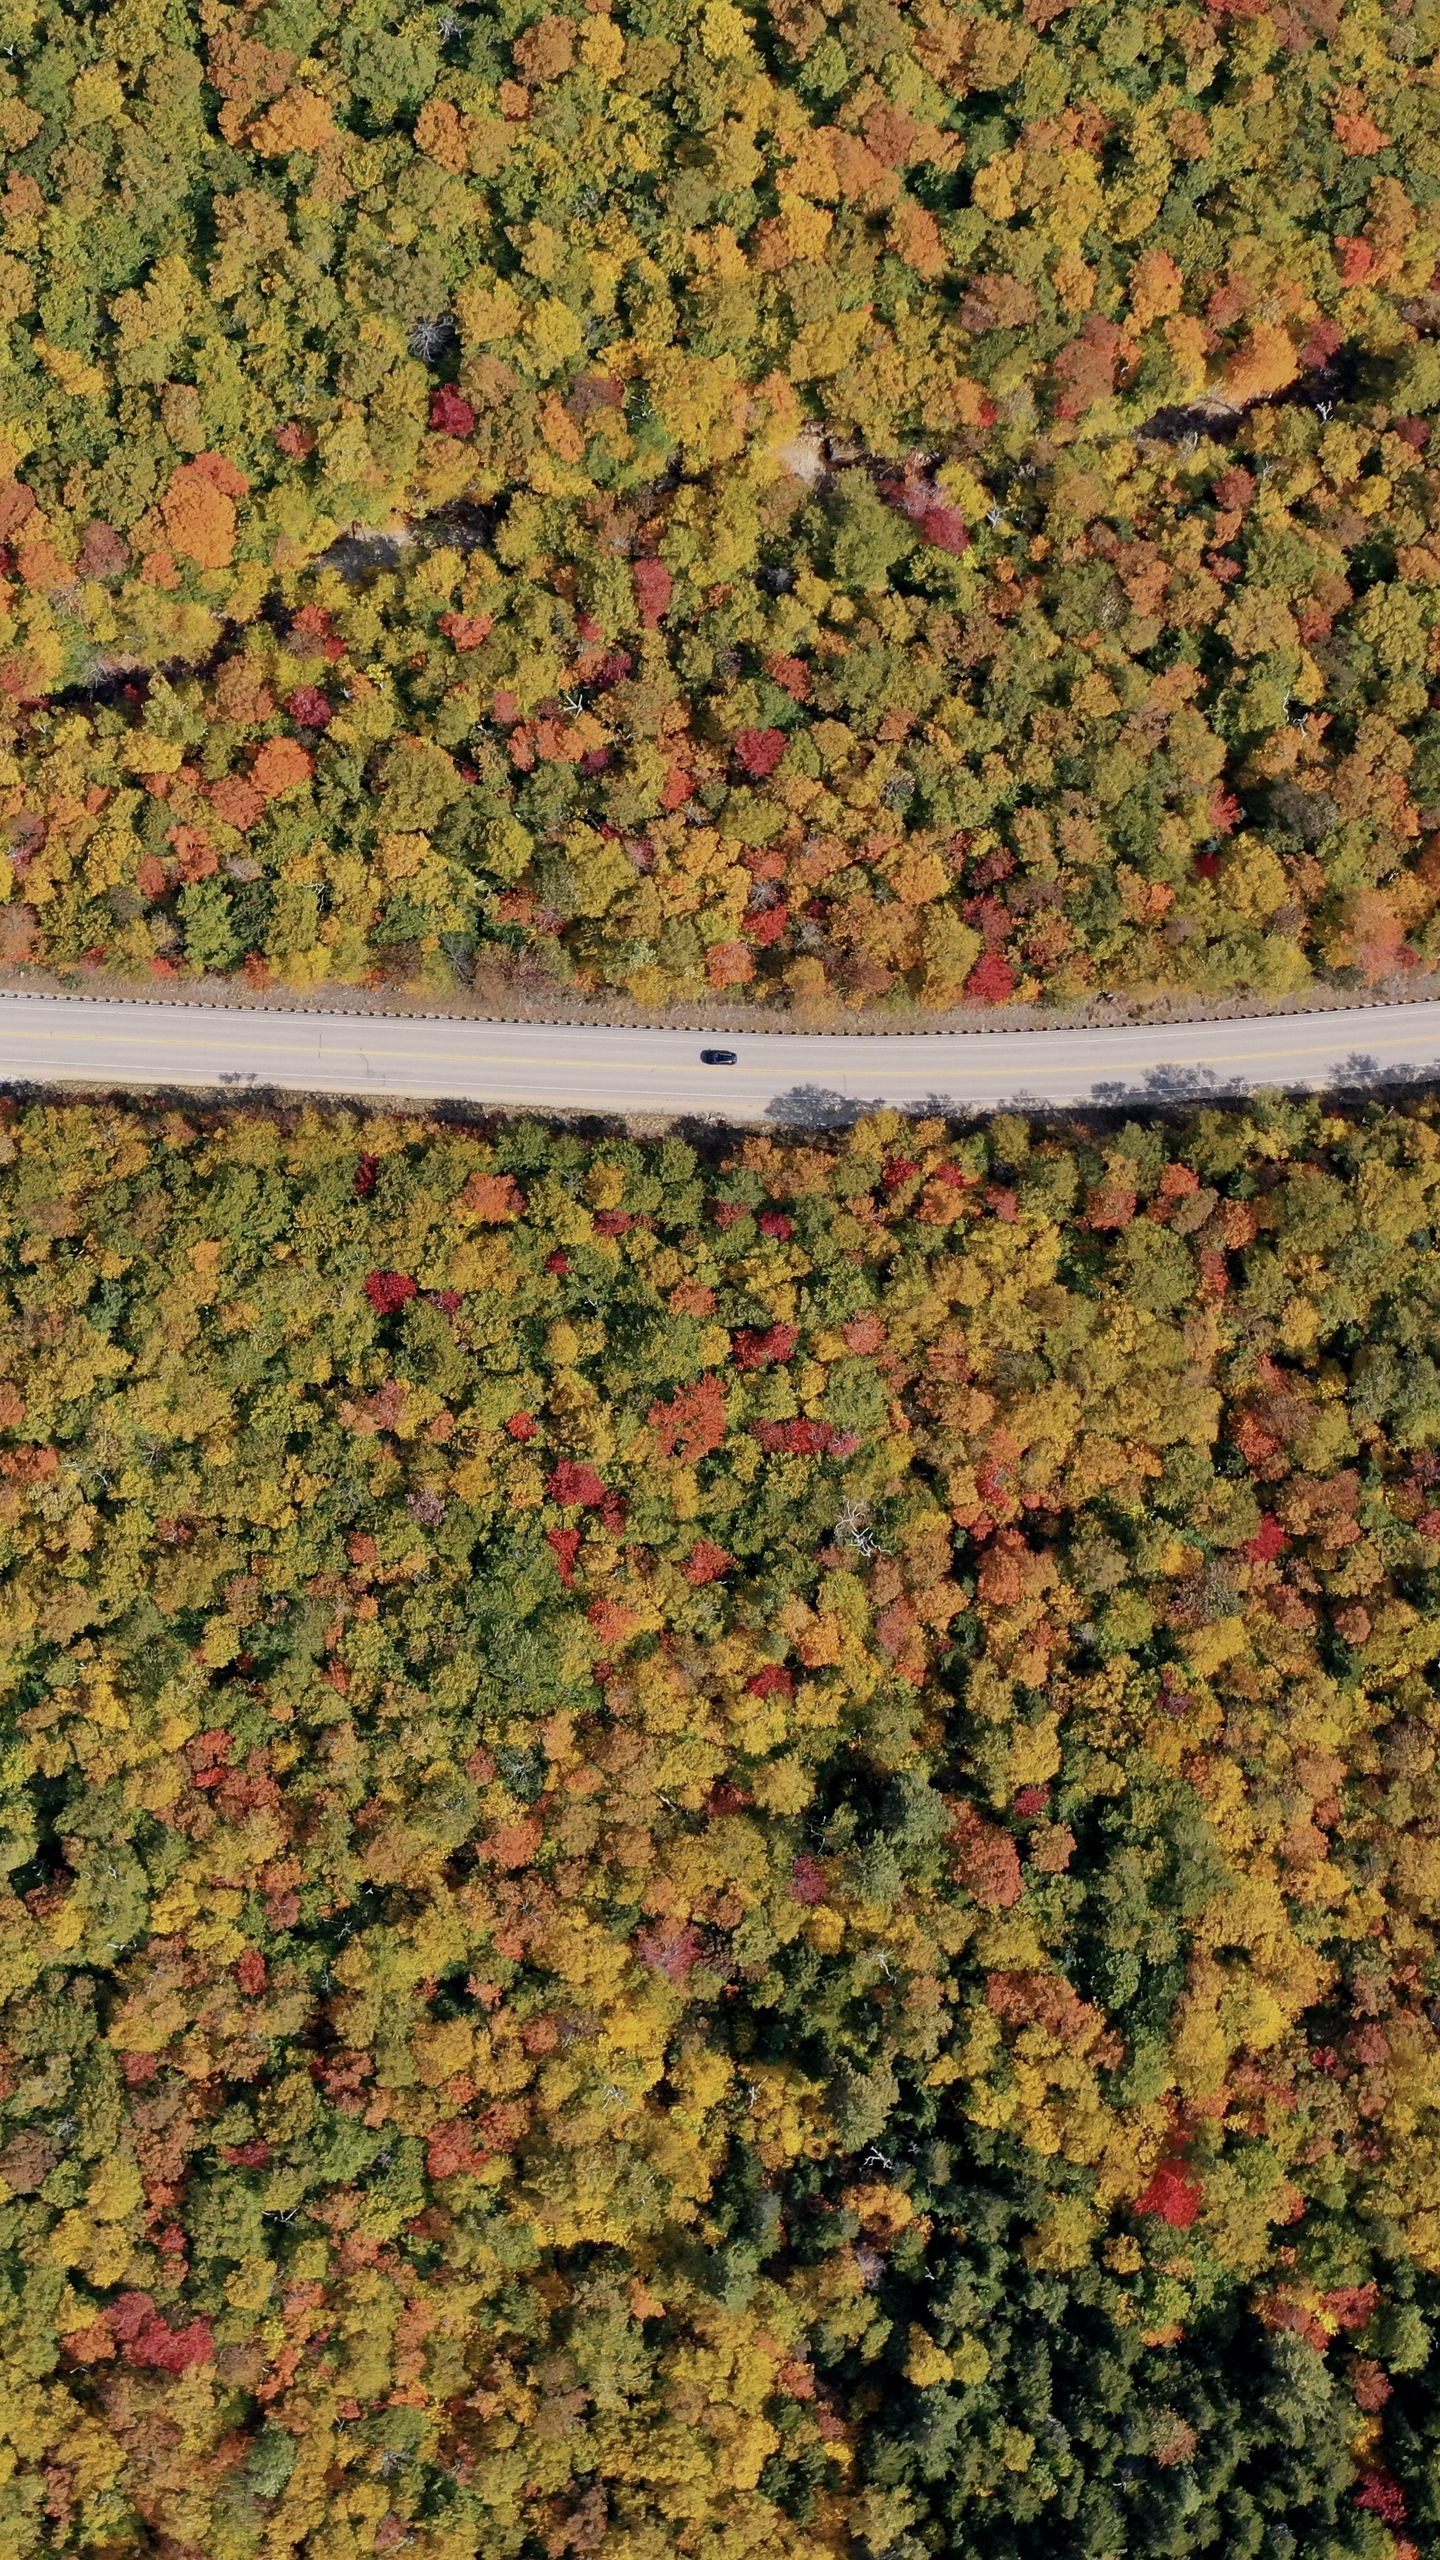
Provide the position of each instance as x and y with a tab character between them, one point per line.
1162	1085
1363	1074
1158	1088
813	1106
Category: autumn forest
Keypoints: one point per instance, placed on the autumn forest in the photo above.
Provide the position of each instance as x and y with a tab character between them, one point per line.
838	503
729	1851
722	1846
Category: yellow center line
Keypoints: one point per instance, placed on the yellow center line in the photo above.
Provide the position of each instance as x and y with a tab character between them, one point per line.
547	1059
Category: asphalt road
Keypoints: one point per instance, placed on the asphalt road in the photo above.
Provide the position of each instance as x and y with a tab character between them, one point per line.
794	1077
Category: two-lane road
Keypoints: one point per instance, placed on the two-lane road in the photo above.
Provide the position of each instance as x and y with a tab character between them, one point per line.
795	1077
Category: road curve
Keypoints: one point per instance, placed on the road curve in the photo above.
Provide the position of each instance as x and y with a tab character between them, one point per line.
797	1078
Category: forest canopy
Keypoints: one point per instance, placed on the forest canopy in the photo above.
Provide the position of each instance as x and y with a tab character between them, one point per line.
720	1851
836	501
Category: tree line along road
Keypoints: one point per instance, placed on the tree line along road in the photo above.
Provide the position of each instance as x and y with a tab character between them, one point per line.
795	1078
